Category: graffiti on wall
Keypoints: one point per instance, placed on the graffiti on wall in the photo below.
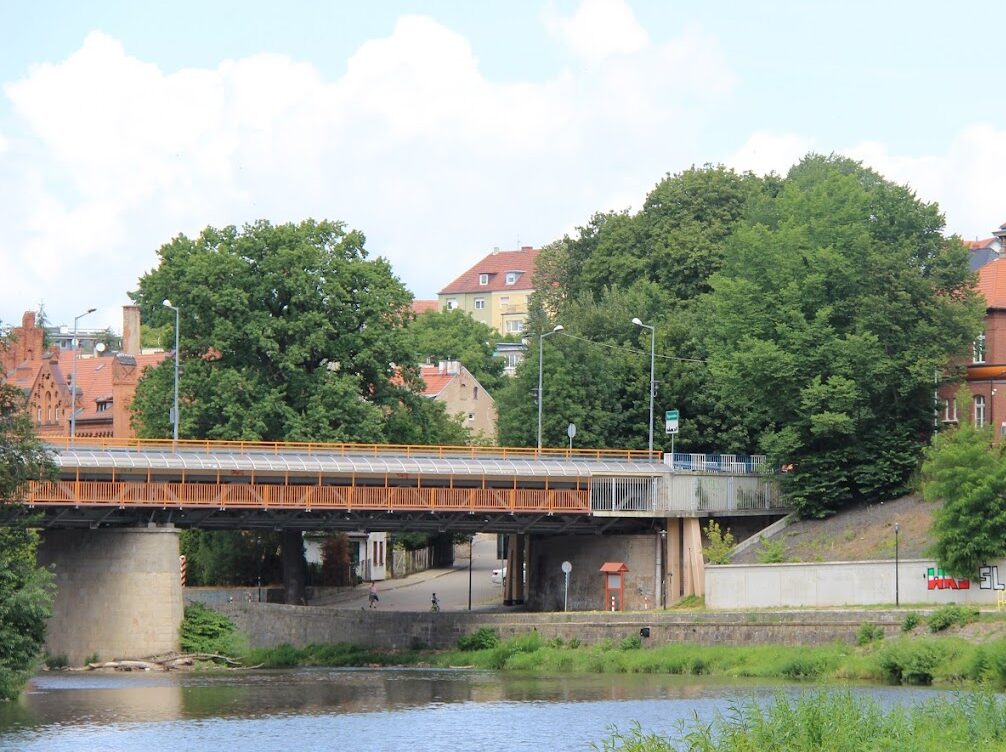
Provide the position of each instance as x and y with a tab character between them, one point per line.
990	578
937	579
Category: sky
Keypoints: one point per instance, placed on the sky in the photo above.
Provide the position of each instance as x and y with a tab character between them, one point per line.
444	129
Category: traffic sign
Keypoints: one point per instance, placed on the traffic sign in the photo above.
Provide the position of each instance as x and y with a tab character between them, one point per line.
671	421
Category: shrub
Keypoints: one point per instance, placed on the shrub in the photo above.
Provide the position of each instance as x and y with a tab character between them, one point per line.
771	552
948	616
911	661
869	633
207	631
632	642
910	622
719	544
56	661
484	639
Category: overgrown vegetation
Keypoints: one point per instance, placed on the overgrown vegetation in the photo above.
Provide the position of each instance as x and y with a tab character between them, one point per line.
770	551
207	631
869	633
910	622
719	543
837	721
484	638
951	615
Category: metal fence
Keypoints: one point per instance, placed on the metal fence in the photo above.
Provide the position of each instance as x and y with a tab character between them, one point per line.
621	494
734	464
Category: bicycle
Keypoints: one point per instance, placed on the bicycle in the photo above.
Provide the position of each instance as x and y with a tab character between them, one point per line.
434	604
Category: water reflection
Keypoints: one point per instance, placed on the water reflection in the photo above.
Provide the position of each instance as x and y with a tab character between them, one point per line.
376	709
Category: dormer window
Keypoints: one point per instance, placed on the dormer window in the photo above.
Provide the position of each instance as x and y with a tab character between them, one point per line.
483	279
511	277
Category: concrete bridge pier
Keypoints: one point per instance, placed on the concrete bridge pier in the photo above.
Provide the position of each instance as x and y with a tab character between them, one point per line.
294	567
513	585
119	592
685	570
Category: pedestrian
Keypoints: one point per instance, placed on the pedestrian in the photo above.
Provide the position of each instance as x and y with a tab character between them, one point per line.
372	594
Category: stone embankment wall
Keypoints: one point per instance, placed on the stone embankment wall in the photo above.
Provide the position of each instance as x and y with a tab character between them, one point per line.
269	624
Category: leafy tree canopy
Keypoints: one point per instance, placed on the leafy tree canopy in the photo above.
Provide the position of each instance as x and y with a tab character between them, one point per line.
454	335
25	590
288	332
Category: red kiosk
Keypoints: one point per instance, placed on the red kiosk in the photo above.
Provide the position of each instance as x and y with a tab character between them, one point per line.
614	585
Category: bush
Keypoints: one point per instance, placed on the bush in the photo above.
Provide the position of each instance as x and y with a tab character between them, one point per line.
771	552
719	545
56	661
484	639
911	661
910	622
632	642
869	633
207	631
948	616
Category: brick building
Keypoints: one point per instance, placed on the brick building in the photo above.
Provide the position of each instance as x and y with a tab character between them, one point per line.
105	385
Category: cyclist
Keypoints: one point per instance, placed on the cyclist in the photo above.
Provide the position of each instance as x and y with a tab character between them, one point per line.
434	604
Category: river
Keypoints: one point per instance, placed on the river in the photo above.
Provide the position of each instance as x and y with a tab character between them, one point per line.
364	709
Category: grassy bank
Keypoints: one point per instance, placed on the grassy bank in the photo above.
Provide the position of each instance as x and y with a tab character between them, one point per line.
837	722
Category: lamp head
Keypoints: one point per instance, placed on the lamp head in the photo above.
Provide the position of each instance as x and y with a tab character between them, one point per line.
637	322
90	310
167	303
559	328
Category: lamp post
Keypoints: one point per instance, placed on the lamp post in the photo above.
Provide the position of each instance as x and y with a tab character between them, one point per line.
897	593
174	412
541	340
73	377
653	347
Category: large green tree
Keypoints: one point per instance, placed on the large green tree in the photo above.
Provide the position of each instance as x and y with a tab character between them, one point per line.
826	324
26	590
454	335
288	332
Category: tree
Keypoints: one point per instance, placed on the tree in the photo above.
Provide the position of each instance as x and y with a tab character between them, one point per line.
825	324
967	472
26	590
454	335
288	332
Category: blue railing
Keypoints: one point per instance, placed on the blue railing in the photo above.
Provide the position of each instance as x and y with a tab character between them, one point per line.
736	464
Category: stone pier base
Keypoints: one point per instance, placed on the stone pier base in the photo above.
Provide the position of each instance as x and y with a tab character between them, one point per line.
119	593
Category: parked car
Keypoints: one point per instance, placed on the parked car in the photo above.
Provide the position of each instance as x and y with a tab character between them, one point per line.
497	576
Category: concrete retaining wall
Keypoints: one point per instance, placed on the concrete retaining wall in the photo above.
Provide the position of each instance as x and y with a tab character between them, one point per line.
119	592
859	583
269	624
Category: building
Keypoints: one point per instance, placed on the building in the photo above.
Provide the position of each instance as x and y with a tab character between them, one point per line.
461	393
496	290
419	307
105	384
986	250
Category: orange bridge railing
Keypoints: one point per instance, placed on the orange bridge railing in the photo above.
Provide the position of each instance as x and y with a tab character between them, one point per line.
264	496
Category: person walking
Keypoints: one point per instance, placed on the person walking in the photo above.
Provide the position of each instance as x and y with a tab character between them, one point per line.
372	594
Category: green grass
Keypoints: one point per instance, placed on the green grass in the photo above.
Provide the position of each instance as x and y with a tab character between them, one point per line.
834	721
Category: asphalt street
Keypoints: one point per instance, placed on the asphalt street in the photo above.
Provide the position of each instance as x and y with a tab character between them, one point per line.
415	592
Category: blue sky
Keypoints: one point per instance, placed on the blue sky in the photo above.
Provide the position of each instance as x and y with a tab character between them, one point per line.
443	129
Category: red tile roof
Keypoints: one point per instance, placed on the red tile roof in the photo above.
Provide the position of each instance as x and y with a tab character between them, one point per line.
496	265
974	245
992	283
434	380
420	307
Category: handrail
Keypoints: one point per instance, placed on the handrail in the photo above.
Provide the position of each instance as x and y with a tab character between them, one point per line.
311	447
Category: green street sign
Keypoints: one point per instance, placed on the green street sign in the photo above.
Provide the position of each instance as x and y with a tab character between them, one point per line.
671	421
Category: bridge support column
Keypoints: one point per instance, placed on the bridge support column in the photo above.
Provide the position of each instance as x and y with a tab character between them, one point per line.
119	592
691	550
294	567
513	594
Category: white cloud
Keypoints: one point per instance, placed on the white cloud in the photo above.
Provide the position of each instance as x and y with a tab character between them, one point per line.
413	145
766	152
598	29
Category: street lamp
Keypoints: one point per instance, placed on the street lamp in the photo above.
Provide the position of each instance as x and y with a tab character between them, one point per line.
73	377
541	340
653	346
174	412
897	594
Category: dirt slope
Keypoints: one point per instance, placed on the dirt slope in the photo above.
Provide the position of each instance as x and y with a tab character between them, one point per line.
858	533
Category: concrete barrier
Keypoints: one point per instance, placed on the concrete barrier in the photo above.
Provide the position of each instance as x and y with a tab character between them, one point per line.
848	583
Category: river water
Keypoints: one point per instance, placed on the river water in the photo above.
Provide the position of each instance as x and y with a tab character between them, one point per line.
365	709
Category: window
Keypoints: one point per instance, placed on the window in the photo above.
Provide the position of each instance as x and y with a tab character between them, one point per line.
978	349
475	392
950	411
480	304
511	277
483	279
505	300
452	303
513	359
979	411
514	326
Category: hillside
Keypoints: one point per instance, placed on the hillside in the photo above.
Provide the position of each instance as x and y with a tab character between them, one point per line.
858	533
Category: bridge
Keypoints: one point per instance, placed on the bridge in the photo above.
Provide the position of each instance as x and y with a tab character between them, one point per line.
111	516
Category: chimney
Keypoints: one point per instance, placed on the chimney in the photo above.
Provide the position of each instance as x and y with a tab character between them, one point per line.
131	330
